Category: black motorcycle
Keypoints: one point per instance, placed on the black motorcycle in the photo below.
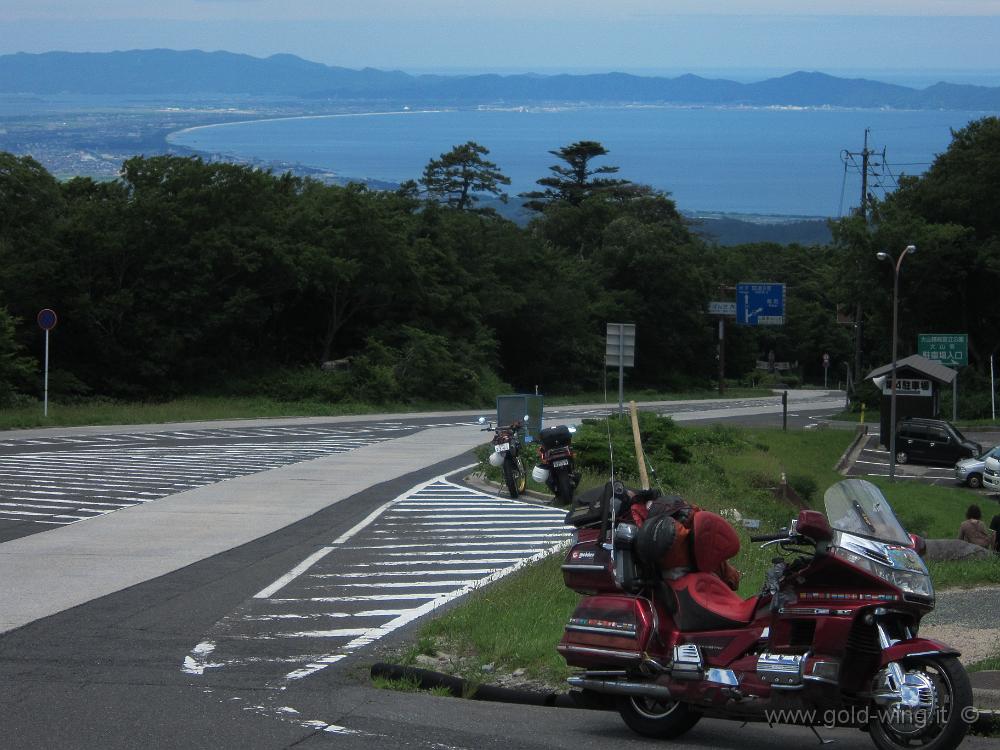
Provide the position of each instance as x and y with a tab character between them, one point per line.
506	453
556	466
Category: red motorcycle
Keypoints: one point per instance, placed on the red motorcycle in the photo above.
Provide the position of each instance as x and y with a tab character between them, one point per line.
831	640
556	467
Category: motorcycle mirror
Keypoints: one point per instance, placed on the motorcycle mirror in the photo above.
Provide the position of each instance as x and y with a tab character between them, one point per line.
482	420
919	544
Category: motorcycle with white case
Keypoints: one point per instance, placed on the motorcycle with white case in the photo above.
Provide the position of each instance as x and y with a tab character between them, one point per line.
506	454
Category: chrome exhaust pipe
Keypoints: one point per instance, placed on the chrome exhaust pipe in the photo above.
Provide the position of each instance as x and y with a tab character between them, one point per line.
620	687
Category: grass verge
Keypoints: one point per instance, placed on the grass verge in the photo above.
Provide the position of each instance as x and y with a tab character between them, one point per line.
611	397
194	408
209	408
993	662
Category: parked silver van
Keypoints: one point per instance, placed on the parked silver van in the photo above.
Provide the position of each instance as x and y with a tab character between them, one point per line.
970	470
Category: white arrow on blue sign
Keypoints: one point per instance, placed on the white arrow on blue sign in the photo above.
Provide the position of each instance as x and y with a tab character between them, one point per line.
760	304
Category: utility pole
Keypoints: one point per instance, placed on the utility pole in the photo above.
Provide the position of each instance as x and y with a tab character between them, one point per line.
848	156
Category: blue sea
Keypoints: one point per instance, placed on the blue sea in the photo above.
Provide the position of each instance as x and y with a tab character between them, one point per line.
760	161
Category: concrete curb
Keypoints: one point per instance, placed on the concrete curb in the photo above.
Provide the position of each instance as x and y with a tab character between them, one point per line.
478	483
850	454
985	699
461	688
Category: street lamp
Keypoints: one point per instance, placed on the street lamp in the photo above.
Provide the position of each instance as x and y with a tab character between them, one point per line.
895	335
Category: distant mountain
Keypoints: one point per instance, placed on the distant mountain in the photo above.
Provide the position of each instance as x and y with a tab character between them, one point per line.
192	72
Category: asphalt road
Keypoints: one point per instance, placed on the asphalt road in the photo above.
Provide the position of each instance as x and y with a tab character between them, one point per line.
51	478
200	616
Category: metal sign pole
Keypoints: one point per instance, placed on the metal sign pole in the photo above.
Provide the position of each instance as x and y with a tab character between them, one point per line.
47	320
954	397
621	368
722	356
993	390
45	408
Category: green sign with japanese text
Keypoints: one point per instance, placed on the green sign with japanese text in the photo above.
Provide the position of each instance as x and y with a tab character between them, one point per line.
951	349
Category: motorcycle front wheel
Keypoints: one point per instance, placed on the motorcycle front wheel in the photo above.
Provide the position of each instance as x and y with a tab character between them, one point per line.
652	717
943	716
513	475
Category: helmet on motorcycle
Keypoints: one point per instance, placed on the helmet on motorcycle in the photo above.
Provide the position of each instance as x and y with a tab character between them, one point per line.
496	459
540	474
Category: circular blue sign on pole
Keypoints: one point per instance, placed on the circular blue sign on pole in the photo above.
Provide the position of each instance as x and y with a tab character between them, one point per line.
47	319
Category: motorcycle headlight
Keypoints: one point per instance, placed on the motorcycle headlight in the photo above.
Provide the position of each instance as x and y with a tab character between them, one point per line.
911	582
907	573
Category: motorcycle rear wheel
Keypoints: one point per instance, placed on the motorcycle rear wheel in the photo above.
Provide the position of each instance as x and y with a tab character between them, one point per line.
564	487
945	727
651	717
513	475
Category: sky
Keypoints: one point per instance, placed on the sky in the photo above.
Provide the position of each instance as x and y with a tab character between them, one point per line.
909	41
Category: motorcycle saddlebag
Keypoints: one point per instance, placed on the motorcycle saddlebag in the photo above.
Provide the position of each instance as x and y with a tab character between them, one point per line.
555	437
587	568
611	630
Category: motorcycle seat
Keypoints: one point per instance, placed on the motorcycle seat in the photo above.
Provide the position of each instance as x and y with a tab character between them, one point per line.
704	602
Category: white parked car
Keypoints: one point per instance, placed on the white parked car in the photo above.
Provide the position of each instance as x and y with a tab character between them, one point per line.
991	474
970	470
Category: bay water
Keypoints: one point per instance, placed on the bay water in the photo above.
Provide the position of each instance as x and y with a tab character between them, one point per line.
758	161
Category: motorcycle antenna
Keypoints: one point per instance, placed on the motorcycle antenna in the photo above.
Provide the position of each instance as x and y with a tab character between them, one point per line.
611	504
611	449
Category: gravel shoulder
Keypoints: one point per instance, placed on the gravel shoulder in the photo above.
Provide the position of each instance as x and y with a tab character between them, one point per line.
969	619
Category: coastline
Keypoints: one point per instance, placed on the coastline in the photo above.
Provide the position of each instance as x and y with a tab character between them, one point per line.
569	107
301	117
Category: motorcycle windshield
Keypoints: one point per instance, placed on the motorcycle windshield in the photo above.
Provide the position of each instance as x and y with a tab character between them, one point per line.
858	507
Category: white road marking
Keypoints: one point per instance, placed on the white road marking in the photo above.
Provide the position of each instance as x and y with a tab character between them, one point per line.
113	473
440	556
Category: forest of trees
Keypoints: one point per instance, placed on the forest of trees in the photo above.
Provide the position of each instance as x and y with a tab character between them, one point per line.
186	277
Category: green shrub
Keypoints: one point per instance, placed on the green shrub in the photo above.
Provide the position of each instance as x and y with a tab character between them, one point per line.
16	370
299	384
663	442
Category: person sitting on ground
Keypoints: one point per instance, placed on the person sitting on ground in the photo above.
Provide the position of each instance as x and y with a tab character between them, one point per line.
995	525
973	530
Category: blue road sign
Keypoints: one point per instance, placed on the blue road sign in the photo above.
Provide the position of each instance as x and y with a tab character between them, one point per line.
760	304
47	319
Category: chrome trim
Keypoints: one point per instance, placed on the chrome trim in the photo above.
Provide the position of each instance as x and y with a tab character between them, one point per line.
615	687
814	678
883	637
688	663
781	671
613	653
603	631
581	566
722	677
688	653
